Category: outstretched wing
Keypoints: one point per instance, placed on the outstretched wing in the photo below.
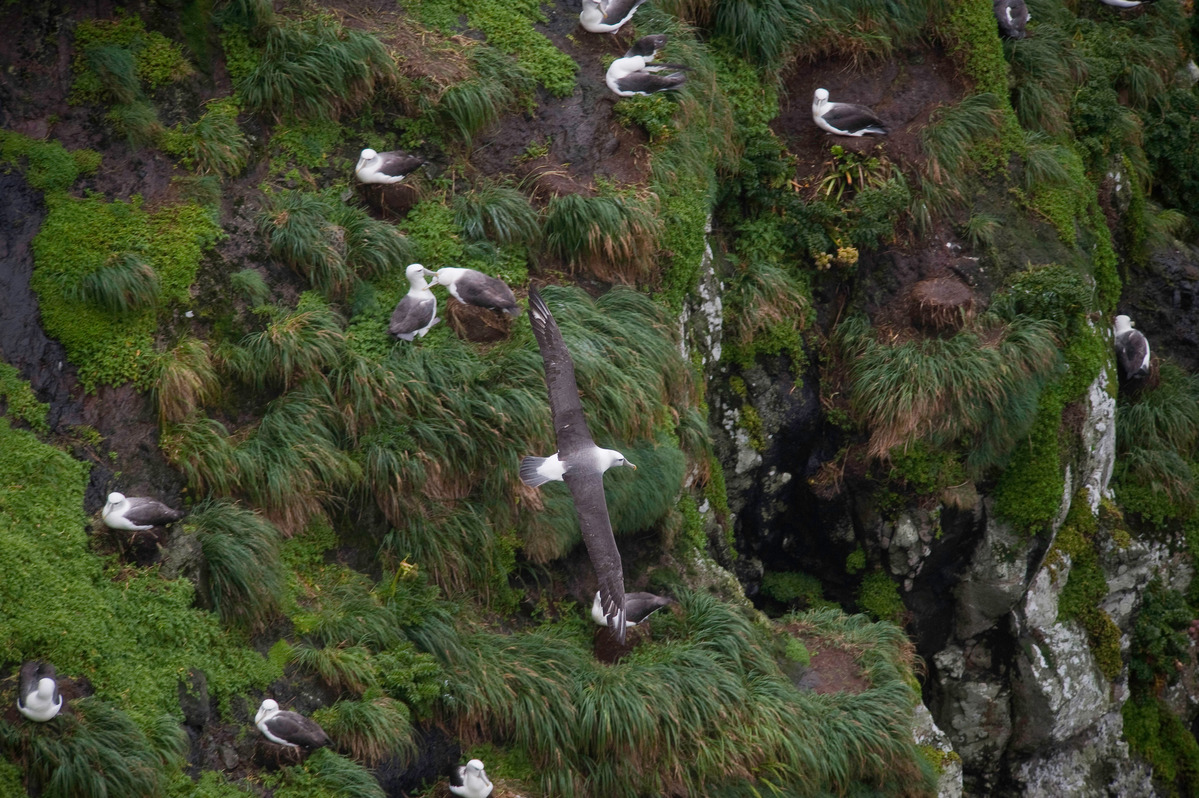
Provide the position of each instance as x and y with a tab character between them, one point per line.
569	423
587	489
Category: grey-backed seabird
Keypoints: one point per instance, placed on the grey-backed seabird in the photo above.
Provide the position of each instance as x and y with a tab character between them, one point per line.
844	119
289	728
606	16
1132	350
416	313
634	74
470	780
637	607
385	167
472	287
137	514
578	462
1013	16
38	698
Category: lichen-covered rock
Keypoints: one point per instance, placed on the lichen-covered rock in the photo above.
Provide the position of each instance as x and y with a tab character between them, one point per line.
1095	762
974	709
996	577
949	764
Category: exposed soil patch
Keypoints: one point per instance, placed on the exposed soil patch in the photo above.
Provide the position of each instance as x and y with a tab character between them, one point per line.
831	670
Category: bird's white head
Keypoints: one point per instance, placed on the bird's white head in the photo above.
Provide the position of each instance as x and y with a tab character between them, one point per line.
416	275
269	707
475	764
615	458
45	688
117	498
1123	324
368	154
820	97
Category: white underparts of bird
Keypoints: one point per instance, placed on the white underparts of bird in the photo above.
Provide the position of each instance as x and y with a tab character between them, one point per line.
607	17
1012	16
38	698
472	287
634	74
137	514
289	728
578	462
416	313
385	167
470	780
1125	3
1132	350
844	119
637	607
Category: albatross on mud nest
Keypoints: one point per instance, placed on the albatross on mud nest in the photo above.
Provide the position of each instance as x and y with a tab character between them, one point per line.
579	463
289	728
416	313
637	607
844	119
634	74
137	514
470	780
385	167
38	698
1132	350
472	287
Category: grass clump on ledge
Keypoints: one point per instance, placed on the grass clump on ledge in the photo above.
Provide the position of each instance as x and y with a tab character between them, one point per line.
613	237
982	384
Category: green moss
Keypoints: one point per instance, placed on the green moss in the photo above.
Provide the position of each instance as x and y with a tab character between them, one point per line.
856	561
1156	734
693	523
306	143
878	596
751	422
793	586
1030	489
925	470
430	225
20	399
156	59
653	113
47	165
81	237
797	652
11	784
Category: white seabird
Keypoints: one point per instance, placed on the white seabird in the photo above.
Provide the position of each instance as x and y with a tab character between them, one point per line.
1125	3
289	728
1013	16
470	780
637	607
472	287
137	514
385	167
416	313
599	16
634	74
38	698
1132	350
844	119
578	462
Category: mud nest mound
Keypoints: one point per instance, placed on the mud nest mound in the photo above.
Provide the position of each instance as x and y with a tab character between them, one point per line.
479	325
391	200
942	304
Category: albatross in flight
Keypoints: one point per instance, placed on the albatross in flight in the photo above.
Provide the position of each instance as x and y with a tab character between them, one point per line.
637	607
578	462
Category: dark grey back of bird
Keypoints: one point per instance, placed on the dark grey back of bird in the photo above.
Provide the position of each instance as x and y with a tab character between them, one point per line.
1012	16
397	163
485	291
148	512
294	727
32	673
853	118
411	314
650	81
1131	362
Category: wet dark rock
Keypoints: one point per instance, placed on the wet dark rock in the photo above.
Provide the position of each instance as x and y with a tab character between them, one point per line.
436	753
194	699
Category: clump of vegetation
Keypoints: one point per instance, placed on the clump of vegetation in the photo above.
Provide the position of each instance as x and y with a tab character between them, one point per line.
214	144
48	166
614	237
19	400
242	578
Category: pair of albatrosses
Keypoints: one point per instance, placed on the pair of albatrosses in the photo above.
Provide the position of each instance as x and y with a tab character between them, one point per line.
416	313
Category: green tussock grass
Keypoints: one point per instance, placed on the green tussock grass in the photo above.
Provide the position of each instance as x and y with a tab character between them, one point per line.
315	68
116	59
982	384
187	379
81	287
242	578
613	237
212	145
499	213
370	730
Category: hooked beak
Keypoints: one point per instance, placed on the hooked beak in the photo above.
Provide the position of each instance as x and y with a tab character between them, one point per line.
630	465
432	277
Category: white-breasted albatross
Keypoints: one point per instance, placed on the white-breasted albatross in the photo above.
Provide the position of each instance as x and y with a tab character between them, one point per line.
1013	16
470	780
637	607
416	313
1132	350
472	287
578	462
385	167
844	119
38	698
1125	3
289	728
606	16
137	514
635	74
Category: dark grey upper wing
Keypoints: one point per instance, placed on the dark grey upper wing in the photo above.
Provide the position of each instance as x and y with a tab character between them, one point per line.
298	729
569	422
398	163
639	606
148	512
410	315
587	489
615	11
1132	350
846	116
649	81
485	291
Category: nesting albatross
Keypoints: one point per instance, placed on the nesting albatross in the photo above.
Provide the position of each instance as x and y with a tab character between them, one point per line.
289	728
385	167
579	463
634	74
137	514
1013	16
416	313
472	287
606	16
1132	350
844	119
470	780
38	698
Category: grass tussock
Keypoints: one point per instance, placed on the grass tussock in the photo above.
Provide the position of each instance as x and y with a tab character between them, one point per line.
126	284
243	578
950	138
500	213
615	238
293	346
370	730
201	448
187	379
982	384
315	68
